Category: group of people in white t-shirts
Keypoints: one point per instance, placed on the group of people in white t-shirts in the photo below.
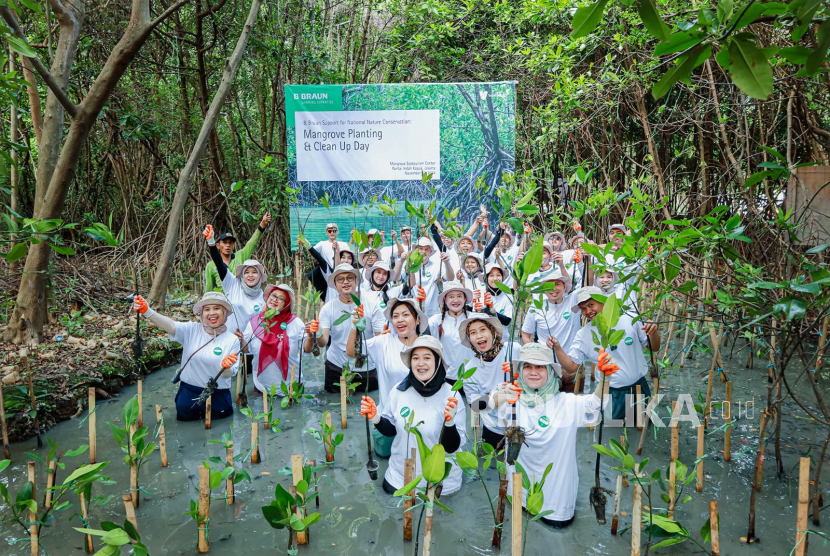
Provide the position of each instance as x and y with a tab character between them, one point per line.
409	336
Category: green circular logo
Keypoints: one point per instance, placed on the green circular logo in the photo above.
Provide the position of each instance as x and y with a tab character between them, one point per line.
405	411
283	326
428	274
628	340
566	315
217	350
257	307
544	421
382	305
501	312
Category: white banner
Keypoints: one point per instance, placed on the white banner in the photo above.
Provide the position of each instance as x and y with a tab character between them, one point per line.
371	145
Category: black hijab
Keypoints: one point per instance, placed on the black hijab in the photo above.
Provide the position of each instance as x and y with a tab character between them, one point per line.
432	386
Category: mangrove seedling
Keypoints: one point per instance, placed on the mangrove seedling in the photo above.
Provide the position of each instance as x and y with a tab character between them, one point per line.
136	449
476	466
325	434
534	500
282	513
293	395
115	537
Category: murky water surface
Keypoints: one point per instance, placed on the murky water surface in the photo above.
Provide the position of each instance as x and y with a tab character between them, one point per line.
359	518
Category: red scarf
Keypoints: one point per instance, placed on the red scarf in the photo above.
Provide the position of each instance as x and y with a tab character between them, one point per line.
275	343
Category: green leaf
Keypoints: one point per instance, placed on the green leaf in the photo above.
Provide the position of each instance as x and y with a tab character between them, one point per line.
528	210
433	468
534	503
668	542
130	414
790	308
749	68
85	470
678	42
516	224
651	19
811	288
466	460
17	252
725	8
587	18
681	71
818	57
817	249
759	176
672	268
21	47
532	261
408	488
605	451
62	249
796	54
116	537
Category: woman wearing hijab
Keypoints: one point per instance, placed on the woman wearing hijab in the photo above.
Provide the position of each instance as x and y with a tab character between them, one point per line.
207	347
274	337
453	301
483	334
436	408
550	420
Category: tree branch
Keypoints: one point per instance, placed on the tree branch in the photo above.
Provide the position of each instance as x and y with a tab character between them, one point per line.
167	13
47	77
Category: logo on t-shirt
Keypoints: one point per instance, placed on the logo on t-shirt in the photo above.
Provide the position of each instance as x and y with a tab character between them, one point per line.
501	311
256	307
217	350
566	315
428	274
628	340
383	305
544	421
283	326
405	411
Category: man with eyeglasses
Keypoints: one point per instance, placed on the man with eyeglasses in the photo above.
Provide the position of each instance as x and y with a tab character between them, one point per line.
326	247
329	332
384	252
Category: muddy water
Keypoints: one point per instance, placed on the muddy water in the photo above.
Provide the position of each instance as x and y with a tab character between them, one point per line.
359	518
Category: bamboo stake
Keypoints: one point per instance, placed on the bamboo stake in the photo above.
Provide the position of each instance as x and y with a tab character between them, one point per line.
208	411
297	476
428	520
477	430
685	337
761	447
204	508
699	471
140	403
133	470
33	527
708	404
624	475
343	401
329	454
803	507
162	441
727	435
7	453
291	388
93	440
292	490
229	480
129	509
615	519
265	407
516	521
85	514
675	433
408	477
636	520
239	382
714	528
672	487
255	442
50	483
638	408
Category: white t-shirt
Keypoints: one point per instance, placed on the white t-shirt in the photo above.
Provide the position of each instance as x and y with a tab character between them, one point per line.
550	437
455	353
628	353
487	377
272	373
502	303
207	361
244	308
574	269
333	310
430	271
617	260
385	354
509	257
326	249
556	319
431	411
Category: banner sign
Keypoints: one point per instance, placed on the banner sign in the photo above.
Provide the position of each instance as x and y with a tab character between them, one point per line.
366	144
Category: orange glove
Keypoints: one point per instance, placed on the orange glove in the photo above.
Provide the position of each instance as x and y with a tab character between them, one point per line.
476	295
369	410
485	224
357	313
507	368
577	226
386	329
527	229
139	305
478	307
650	250
208	232
511	390
577	256
314	326
450	411
422	294
605	363
228	361
488	299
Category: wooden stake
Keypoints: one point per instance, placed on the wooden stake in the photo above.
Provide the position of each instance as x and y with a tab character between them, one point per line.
624	475
803	507
672	487
133	470
615	519
408	477
578	381
85	514
699	470
208	411
33	400
708	403
343	401
265	407
7	453
33	528
727	416
93	441
636	520
638	408
675	433
428	520
329	453
714	528
477	430
129	509
760	455
162	441
516	521
140	403
229	480
291	387
255	442
50	483
297	476
204	508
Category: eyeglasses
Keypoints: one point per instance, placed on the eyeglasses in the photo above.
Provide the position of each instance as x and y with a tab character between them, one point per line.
331	230
342	279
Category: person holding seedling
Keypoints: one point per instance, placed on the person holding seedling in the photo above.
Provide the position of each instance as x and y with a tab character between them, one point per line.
454	301
490	298
207	345
422	400
384	253
573	258
274	337
470	275
504	251
609	282
556	241
550	420
628	353
424	281
226	242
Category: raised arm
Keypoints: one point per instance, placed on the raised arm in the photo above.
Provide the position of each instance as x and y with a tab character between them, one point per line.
215	256
165	323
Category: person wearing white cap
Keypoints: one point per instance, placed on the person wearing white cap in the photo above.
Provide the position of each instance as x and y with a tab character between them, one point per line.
326	247
628	353
453	302
551	263
344	278
424	282
483	334
556	241
384	251
627	268
274	337
440	415
490	298
576	261
471	273
610	284
550	420
377	283
207	347
329	254
504	251
404	242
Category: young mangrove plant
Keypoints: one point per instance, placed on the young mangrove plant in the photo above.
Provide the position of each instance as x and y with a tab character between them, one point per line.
132	442
325	434
281	512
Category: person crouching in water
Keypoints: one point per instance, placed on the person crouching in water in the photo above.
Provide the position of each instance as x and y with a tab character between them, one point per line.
550	420
438	410
207	346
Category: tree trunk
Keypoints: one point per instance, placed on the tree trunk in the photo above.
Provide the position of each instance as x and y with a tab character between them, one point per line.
188	174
